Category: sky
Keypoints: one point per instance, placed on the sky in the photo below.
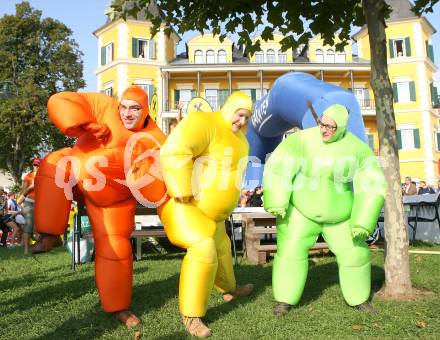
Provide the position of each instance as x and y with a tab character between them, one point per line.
83	17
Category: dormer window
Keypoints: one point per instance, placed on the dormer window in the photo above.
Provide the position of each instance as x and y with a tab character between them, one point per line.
198	57
210	57
270	56
143	48
259	57
330	56
221	57
319	56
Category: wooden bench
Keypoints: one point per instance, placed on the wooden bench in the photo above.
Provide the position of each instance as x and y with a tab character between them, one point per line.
261	223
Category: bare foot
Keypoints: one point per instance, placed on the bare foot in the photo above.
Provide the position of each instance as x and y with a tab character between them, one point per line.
127	318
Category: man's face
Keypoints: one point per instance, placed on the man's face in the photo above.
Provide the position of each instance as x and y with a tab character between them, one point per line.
328	127
240	119
131	113
422	184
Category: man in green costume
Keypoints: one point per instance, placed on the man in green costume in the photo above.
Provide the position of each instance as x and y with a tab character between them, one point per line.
323	180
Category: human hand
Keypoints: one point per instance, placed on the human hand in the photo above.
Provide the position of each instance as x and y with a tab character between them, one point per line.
277	212
359	233
100	131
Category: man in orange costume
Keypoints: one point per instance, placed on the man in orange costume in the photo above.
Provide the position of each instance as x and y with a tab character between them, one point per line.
100	171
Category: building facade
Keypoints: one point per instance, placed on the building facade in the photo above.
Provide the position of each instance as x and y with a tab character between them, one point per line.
213	69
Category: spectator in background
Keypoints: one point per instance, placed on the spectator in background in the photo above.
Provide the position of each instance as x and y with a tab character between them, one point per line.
14	210
424	189
244	199
256	199
6	220
409	188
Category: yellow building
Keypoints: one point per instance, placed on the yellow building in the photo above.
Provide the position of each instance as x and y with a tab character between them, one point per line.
213	69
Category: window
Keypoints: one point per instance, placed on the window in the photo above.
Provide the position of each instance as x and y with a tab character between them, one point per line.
108	91
319	56
270	56
282	57
404	92
429	51
330	56
340	58
198	57
435	99
399	47
107	54
221	57
408	138
259	57
363	97
212	98
149	90
222	96
210	57
183	96
143	48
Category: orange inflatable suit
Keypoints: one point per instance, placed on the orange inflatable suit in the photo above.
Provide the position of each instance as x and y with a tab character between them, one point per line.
108	167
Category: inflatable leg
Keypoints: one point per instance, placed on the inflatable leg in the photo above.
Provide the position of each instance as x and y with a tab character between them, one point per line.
187	227
112	227
354	261
225	278
296	234
52	207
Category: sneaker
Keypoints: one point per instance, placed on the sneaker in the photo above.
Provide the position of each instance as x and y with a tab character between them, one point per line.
46	242
366	307
196	327
240	291
281	308
127	318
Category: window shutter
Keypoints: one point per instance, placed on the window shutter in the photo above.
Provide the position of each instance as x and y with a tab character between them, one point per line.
111	92
399	139
431	52
391	47
134	48
408	47
395	93
436	99
438	141
152	49
371	141
102	55
176	96
416	138
193	94
150	93
254	95
113	53
412	91
350	89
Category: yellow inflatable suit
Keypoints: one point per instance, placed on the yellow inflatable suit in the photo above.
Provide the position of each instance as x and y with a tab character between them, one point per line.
203	162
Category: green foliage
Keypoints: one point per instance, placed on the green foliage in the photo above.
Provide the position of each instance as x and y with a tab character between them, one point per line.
42	298
38	57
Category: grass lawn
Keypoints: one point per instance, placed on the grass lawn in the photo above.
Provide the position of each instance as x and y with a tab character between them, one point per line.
42	298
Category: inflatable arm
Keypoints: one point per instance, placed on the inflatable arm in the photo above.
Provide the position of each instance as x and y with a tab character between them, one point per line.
69	111
279	172
188	140
369	191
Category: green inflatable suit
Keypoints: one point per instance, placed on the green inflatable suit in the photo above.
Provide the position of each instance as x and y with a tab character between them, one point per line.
330	185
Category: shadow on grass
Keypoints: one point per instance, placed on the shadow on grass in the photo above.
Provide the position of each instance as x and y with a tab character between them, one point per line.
174	336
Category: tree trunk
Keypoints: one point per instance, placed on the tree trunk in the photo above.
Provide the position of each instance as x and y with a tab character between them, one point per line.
397	274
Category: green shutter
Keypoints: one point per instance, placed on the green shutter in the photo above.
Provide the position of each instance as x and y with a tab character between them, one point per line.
254	95
416	138
408	47
176	96
395	93
412	91
438	141
113	52
399	139
193	94
391	47
431	52
152	49
102	55
371	141
134	47
150	93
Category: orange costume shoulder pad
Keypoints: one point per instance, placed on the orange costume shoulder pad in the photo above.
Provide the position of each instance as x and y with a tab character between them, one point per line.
69	110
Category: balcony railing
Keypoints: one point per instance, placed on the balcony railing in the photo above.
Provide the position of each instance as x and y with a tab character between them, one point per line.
366	103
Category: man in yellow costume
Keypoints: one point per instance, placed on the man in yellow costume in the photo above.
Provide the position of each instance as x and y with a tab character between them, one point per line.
203	162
